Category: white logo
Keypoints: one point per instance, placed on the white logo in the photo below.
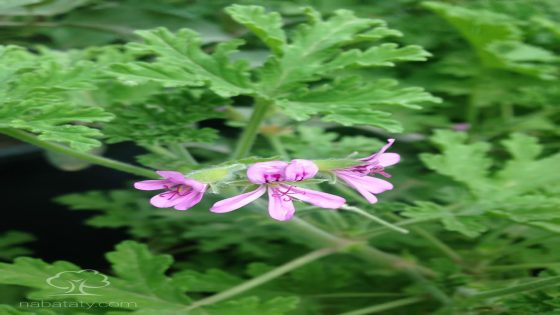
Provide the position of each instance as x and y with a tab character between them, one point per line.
76	282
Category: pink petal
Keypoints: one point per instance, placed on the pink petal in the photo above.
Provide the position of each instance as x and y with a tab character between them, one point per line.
317	198
280	207
377	154
299	170
172	176
196	185
266	172
190	202
163	201
365	185
238	201
371	184
152	184
388	159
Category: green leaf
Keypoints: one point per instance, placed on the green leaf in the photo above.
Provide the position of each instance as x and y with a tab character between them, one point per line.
267	26
140	281
181	61
10	244
253	305
9	310
468	225
319	47
145	272
37	95
497	40
350	101
165	119
465	163
211	281
387	54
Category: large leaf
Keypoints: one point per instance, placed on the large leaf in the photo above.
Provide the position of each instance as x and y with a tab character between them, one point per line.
181	61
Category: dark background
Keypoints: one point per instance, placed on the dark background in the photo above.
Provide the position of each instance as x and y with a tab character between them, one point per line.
30	183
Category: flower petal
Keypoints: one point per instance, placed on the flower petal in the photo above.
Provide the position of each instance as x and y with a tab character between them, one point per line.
238	201
163	201
191	201
371	184
196	185
172	176
374	156
266	172
317	198
388	159
152	184
299	170
365	185
280	207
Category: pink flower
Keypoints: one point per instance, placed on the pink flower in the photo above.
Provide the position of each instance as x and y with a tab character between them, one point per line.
357	176
181	193
276	177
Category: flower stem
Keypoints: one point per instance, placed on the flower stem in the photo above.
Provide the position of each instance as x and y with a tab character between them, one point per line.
523	266
264	278
374	218
94	159
249	134
384	306
530	286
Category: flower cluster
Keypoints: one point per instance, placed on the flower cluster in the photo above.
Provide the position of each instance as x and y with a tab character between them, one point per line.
281	180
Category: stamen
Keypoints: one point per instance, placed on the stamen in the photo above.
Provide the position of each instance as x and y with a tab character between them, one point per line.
172	191
284	194
378	169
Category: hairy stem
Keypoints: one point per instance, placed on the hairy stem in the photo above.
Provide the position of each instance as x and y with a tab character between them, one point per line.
374	218
523	266
384	306
264	278
520	288
94	159
249	134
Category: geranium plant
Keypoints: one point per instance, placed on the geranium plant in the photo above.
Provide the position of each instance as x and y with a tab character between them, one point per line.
294	159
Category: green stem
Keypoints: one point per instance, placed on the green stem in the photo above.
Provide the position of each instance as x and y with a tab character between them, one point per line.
384	306
374	218
344	295
420	231
444	248
264	278
94	159
523	266
531	286
249	134
321	238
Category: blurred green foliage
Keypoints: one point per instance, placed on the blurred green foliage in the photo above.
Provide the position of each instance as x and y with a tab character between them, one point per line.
468	88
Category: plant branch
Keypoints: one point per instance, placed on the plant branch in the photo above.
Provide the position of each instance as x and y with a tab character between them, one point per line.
374	218
520	288
249	134
94	159
264	278
384	306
